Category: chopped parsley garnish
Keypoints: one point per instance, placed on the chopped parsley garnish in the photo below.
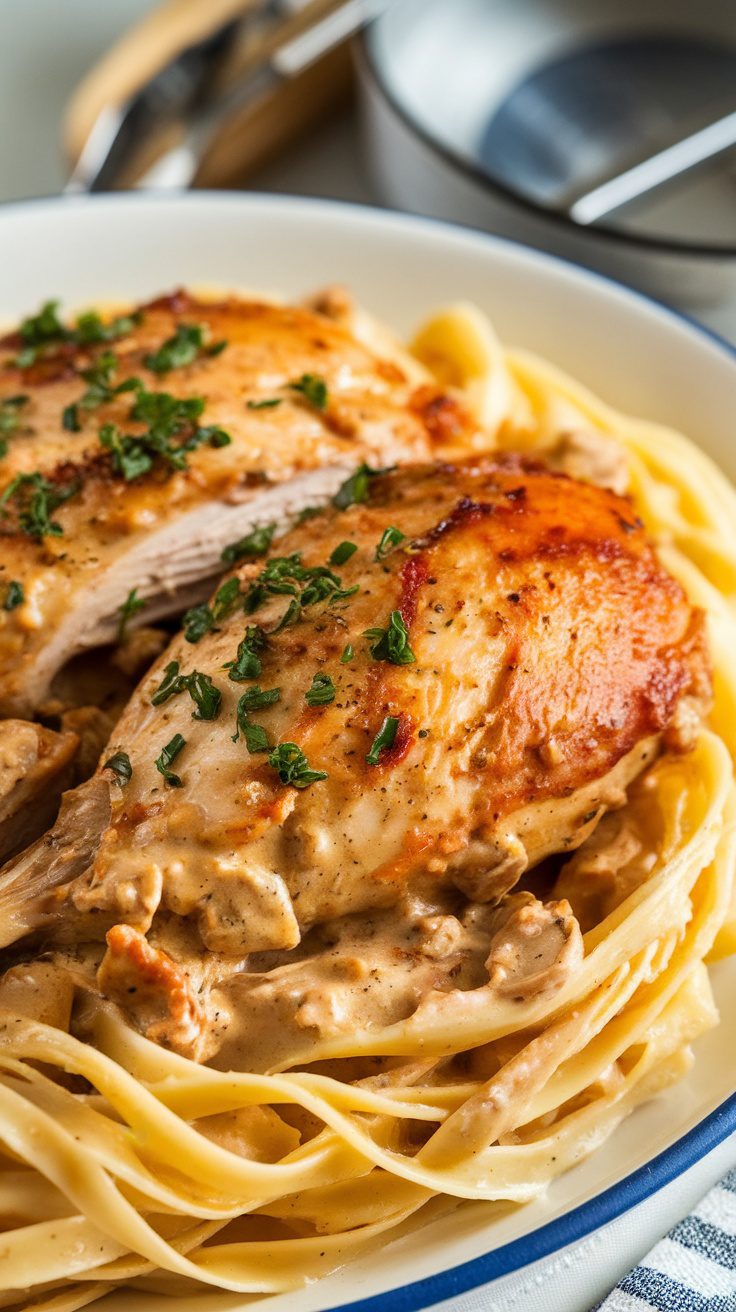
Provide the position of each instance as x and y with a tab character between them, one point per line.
343	552
293	767
290	616
255	543
313	389
201	619
38	330
172	432
100	390
268	404
308	512
120	765
206	697
197	621
169	753
46	327
390	540
355	488
169	685
90	328
347	654
226	599
183	348
70	418
10	419
247	663
130	607
383	739
322	691
36	499
15	596
256	698
392	643
256	738
285	575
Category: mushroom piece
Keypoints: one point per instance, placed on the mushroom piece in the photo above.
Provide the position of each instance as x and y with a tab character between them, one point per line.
536	947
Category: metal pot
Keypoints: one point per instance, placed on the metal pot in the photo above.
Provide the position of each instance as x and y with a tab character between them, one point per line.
503	116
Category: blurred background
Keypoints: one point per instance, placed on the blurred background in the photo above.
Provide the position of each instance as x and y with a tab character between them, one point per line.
601	130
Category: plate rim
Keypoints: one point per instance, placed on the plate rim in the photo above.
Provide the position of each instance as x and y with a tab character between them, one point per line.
713	1129
377	215
568	1228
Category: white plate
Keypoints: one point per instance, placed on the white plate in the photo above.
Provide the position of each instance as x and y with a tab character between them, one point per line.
636	354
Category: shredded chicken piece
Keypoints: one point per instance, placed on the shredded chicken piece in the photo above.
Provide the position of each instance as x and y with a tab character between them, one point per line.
36	765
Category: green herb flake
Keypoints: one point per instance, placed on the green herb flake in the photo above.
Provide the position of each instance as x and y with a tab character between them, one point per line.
290	616
177	351
247	663
38	331
313	389
256	698
355	488
383	739
255	543
392	643
169	753
322	691
36	499
172	432
255	736
130	607
171	684
292	766
91	329
308	512
343	552
268	404
70	419
197	621
14	596
391	538
46	328
227	599
206	697
10	418
285	575
347	654
120	765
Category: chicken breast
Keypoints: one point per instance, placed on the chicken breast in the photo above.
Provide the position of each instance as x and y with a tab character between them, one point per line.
137	449
35	767
414	697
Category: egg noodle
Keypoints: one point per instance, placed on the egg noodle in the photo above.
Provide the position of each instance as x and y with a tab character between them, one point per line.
133	1182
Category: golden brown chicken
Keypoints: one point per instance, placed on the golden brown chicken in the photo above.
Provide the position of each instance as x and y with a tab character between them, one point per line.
420	692
137	449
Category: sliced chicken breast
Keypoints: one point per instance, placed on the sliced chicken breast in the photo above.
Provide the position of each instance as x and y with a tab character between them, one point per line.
411	699
138	449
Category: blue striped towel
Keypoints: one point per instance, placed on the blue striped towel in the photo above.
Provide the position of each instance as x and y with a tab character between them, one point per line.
693	1269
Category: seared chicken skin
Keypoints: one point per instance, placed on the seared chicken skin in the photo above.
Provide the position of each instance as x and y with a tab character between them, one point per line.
416	697
138	449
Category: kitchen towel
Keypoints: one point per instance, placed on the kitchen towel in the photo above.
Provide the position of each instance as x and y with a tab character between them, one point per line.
693	1269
